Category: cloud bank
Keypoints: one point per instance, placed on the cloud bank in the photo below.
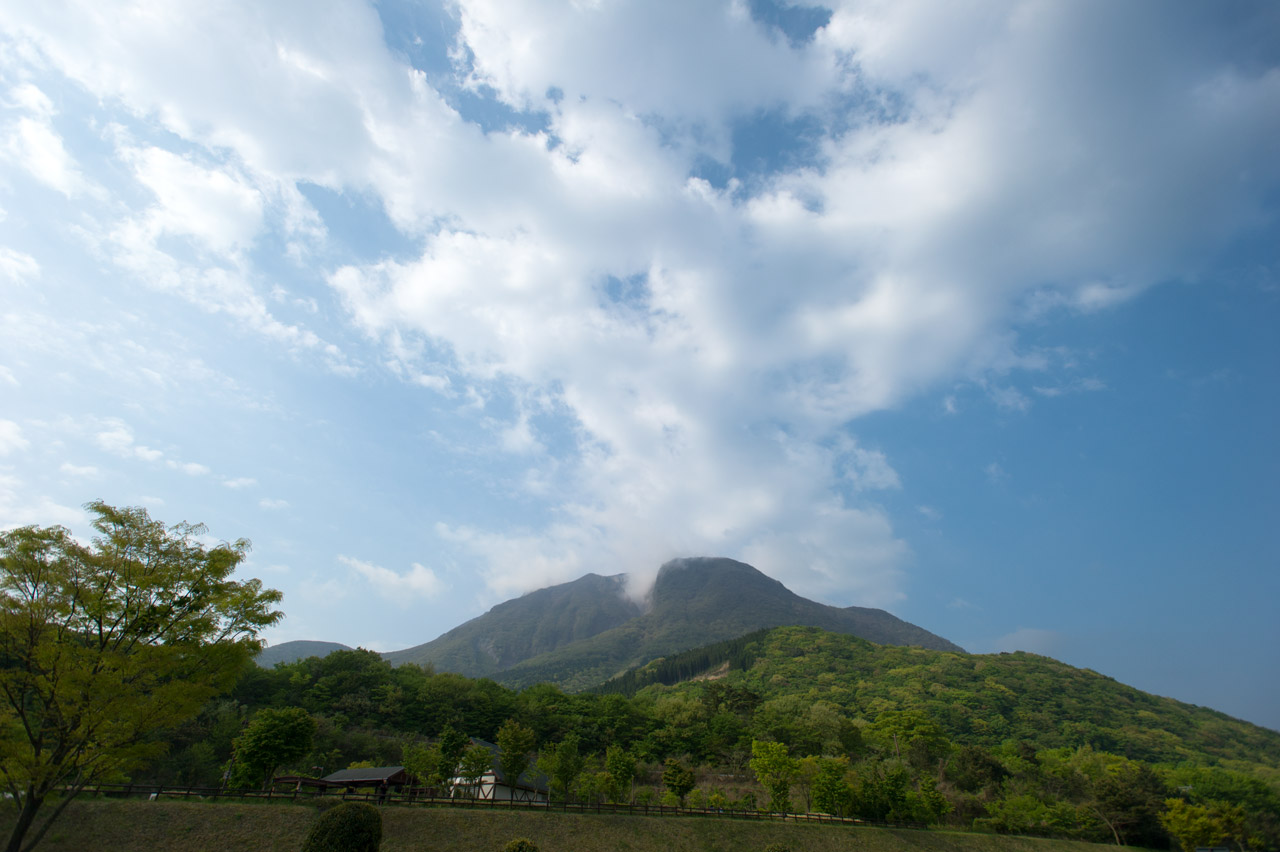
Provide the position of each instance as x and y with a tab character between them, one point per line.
671	339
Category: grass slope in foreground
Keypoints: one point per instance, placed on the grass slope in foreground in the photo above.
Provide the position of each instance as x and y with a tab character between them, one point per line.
128	826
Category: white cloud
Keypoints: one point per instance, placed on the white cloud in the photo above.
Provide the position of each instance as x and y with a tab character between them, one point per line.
32	143
78	470
11	439
17	267
892	267
592	51
518	437
19	507
204	208
417	582
35	146
546	558
116	437
146	453
225	286
996	474
240	482
1009	398
1084	385
870	469
30	98
974	166
268	503
215	207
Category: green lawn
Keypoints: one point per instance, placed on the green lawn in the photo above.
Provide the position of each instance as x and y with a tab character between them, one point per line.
95	825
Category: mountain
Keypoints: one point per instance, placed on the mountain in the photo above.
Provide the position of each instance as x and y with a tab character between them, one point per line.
581	633
528	626
697	601
289	652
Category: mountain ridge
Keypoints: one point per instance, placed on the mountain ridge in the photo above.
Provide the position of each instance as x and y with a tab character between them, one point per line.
699	600
298	649
583	632
535	623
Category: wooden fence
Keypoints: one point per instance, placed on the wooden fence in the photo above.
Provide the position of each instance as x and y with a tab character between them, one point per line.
208	794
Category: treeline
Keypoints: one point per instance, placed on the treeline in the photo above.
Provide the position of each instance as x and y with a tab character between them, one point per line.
817	722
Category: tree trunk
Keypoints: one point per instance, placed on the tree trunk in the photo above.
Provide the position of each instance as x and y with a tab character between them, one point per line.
67	796
1110	825
30	804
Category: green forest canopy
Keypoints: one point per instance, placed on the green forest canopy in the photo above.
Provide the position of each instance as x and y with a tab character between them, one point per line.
1007	742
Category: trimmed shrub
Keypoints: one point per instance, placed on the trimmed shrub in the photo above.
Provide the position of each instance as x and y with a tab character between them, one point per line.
521	844
324	804
349	827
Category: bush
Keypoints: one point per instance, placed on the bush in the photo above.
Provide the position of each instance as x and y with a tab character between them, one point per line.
324	804
349	827
521	844
777	847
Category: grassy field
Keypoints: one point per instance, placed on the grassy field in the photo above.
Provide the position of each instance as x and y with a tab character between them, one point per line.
142	826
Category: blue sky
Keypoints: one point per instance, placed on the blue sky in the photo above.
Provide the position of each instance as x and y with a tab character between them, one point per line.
963	310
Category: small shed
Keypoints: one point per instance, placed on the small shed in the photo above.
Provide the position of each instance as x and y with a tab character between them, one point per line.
299	783
383	778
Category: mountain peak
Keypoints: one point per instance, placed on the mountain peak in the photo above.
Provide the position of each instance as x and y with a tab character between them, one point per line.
535	623
713	565
582	632
718	585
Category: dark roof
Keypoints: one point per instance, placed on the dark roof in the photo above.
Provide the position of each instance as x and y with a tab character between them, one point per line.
304	780
369	775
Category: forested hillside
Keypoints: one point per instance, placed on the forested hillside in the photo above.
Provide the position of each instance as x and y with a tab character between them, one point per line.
980	699
794	719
